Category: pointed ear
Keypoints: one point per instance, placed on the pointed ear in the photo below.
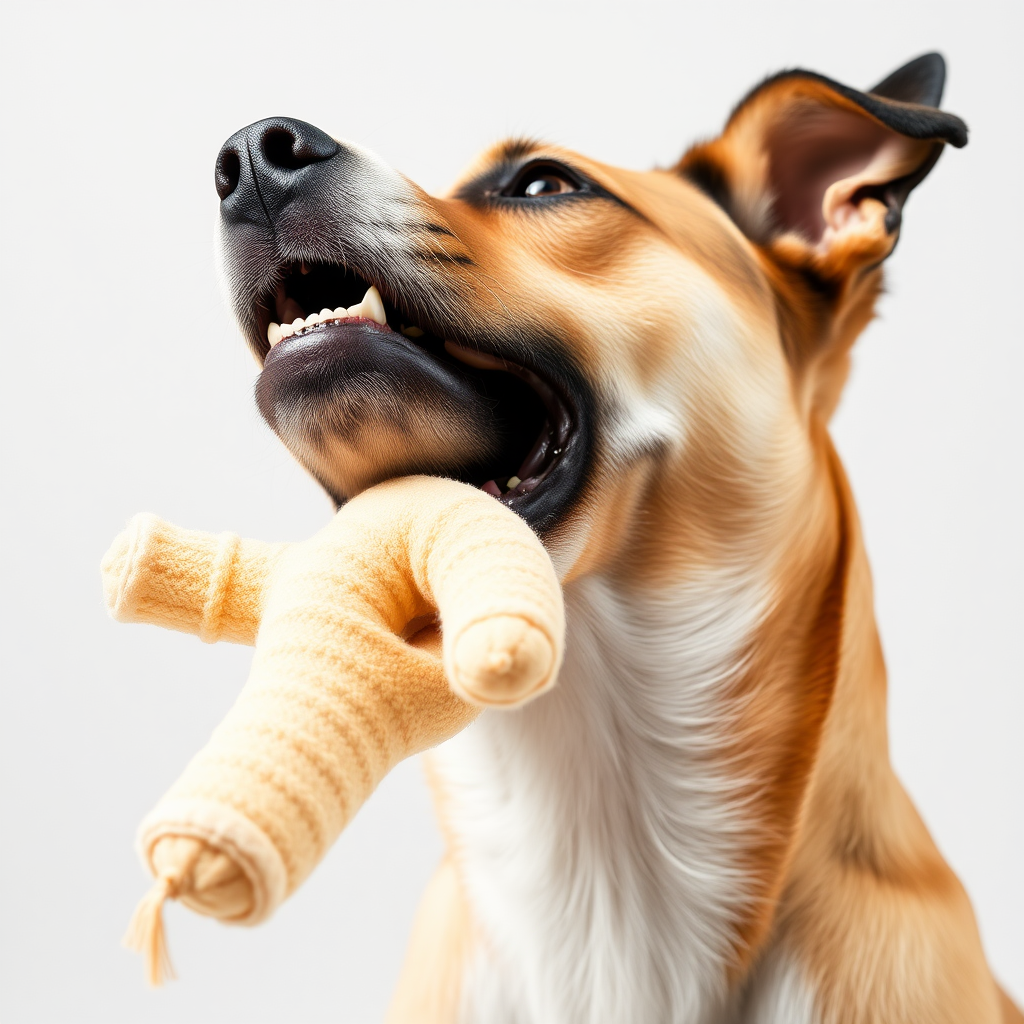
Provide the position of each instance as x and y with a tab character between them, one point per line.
817	173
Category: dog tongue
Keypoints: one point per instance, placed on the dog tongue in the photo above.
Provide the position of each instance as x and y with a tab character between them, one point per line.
492	488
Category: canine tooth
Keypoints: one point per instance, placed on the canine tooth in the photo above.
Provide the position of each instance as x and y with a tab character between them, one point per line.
513	481
287	330
274	334
326	314
374	306
356	310
412	332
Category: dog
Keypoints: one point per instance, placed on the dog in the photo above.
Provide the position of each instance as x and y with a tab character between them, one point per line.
700	823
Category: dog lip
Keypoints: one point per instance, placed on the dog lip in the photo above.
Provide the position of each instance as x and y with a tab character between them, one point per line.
322	328
543	456
550	474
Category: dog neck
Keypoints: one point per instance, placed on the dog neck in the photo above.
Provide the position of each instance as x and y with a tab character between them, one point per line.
634	832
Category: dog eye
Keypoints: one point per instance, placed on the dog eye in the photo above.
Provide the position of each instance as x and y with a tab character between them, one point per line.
539	181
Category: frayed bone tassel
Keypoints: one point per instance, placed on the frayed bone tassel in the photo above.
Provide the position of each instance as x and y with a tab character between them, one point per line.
145	933
187	869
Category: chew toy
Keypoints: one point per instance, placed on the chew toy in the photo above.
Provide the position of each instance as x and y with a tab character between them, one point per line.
339	691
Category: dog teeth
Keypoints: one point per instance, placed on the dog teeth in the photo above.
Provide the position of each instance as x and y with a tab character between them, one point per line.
372	308
513	481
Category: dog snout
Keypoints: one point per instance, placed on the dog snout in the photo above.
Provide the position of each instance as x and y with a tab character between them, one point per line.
263	166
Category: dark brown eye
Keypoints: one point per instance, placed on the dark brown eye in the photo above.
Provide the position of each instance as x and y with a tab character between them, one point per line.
536	182
547	185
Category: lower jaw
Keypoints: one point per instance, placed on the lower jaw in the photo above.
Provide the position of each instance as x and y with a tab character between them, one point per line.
544	482
355	349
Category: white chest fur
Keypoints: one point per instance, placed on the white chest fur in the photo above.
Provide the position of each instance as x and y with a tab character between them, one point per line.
599	831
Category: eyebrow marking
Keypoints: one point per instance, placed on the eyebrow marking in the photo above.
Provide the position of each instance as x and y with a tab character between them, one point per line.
512	150
445	257
438	229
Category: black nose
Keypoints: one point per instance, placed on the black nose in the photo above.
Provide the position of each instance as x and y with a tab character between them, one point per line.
260	168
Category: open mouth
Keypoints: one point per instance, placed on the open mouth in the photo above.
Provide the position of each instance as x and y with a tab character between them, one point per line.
531	418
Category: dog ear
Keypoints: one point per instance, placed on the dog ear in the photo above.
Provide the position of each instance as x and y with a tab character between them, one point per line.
817	173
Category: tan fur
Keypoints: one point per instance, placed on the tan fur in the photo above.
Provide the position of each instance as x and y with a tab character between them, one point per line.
758	327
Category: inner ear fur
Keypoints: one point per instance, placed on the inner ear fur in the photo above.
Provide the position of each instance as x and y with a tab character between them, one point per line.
816	175
800	153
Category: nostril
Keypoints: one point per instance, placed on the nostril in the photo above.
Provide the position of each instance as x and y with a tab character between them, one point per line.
295	144
279	147
226	173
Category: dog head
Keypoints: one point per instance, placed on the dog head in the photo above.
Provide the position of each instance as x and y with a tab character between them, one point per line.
599	348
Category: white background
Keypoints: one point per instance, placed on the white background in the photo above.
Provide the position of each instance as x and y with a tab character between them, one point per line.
125	387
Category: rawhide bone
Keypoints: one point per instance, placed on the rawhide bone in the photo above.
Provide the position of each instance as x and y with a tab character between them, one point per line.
339	692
